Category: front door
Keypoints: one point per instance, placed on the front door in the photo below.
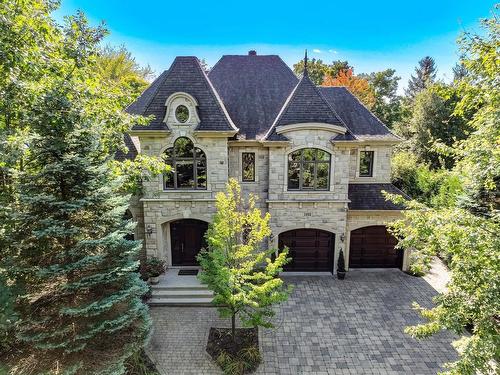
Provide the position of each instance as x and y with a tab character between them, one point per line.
187	238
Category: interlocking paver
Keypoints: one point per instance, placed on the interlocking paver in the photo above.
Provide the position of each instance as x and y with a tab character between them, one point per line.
328	326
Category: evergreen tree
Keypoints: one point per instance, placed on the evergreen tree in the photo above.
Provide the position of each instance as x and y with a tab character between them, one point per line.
241	274
78	303
425	75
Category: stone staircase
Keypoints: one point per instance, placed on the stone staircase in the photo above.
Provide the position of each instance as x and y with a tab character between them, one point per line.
174	290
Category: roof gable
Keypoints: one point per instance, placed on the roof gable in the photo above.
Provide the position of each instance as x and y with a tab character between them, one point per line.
185	75
305	104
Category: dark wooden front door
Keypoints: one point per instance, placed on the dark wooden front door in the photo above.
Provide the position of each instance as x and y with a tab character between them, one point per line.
187	239
374	247
311	250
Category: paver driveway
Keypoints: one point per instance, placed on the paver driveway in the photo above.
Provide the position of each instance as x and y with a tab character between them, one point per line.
328	326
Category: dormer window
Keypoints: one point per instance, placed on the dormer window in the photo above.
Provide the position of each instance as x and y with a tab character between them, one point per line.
181	113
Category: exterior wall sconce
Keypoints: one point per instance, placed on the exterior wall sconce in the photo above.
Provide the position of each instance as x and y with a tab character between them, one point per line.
342	237
149	230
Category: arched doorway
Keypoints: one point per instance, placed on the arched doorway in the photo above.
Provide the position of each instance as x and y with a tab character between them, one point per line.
374	247
187	238
311	250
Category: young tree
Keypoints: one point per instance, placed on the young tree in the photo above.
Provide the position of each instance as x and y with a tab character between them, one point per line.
466	232
425	75
64	250
357	86
242	275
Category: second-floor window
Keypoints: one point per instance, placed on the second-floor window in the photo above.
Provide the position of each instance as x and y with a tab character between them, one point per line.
189	166
309	169
366	163
248	166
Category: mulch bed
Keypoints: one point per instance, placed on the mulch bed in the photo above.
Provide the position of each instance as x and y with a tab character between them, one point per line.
220	342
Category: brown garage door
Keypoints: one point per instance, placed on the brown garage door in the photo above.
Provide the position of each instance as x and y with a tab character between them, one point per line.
374	247
311	250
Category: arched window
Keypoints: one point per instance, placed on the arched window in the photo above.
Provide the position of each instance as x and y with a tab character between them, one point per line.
309	169
189	166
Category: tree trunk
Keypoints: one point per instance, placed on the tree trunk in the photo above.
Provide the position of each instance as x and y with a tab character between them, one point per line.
233	327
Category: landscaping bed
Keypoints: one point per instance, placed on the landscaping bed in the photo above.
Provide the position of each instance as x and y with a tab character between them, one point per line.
240	356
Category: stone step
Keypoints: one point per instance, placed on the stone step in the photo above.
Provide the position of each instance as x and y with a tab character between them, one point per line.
157	301
178	287
185	293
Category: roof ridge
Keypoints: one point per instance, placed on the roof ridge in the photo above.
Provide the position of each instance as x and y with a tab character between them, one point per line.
215	95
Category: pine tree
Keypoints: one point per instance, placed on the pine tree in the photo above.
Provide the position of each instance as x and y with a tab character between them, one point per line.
425	75
78	303
242	275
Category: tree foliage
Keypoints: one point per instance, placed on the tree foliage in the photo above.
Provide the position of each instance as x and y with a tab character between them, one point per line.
242	275
318	70
466	230
357	86
425	74
66	263
387	105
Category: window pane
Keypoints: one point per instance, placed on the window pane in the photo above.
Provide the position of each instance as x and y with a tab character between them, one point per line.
168	153
248	166
309	154
308	176
293	175
183	148
294	156
201	174
366	163
185	175
322	175
199	154
168	179
182	113
322	155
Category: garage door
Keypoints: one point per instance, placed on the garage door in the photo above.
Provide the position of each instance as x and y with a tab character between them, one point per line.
311	250
374	247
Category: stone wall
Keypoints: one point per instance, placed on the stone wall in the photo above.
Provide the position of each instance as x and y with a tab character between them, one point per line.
381	166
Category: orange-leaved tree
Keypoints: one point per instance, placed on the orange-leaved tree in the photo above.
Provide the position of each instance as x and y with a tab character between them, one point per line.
357	86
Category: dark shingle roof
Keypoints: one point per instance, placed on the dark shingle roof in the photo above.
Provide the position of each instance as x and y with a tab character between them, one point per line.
253	89
132	150
305	104
361	122
185	75
370	197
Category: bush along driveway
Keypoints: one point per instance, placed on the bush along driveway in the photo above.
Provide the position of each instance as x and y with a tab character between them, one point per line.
328	326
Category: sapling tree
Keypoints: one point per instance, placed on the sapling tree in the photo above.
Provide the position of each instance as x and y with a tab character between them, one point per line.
242	275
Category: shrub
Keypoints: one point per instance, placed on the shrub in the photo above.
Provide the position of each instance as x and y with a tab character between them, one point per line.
155	267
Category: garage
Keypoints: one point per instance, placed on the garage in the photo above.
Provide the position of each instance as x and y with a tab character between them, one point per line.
311	250
374	247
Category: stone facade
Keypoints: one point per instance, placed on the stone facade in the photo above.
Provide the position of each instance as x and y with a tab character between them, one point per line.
326	210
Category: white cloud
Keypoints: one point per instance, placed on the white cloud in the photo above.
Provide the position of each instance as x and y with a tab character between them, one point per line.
316	50
332	51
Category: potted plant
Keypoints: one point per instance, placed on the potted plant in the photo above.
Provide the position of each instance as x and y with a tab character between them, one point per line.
154	268
341	266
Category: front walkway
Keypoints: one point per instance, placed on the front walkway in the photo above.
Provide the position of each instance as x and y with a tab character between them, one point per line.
328	326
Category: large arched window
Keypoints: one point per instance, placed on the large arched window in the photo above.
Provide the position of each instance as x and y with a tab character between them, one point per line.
189	166
309	169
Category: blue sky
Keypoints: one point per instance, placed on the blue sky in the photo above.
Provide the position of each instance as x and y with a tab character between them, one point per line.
371	35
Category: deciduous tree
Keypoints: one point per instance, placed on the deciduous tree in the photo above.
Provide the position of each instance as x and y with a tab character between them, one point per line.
241	273
357	86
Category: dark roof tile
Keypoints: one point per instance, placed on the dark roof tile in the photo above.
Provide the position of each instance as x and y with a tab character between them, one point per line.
185	75
370	197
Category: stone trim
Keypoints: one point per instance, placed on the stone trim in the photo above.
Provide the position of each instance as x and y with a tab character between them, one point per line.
310	126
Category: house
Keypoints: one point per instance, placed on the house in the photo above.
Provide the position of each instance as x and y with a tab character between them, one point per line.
315	156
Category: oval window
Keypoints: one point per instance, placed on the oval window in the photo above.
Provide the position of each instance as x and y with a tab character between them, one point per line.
182	113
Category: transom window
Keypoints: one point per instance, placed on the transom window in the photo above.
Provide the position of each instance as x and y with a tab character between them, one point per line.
308	169
189	166
366	163
181	113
